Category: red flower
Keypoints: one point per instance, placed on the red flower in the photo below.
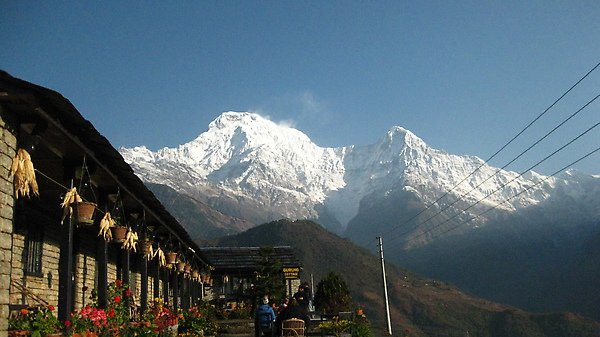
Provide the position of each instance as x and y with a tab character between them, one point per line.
117	299
51	307
24	311
111	312
128	292
118	283
67	323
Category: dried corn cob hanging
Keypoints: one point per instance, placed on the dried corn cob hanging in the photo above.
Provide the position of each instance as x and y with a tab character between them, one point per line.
130	241
149	254
105	224
70	198
24	175
162	261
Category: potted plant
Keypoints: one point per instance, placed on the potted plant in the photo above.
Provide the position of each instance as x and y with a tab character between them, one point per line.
165	320
180	266
119	233
360	310
336	326
85	212
19	325
146	248
87	322
171	257
37	322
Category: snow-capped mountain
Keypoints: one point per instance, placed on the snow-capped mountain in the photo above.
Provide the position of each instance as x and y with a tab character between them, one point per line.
508	237
250	167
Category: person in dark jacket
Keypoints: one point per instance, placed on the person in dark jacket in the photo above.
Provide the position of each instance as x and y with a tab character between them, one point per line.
266	317
293	310
301	296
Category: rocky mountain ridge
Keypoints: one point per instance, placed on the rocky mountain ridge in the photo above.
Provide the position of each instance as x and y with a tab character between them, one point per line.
245	162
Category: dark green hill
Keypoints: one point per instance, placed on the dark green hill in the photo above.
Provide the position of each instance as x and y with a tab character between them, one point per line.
421	306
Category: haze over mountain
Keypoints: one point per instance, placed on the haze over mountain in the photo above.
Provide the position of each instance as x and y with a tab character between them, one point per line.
500	234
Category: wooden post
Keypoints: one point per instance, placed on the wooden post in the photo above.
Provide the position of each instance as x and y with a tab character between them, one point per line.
166	280
126	266
175	290
185	293
102	258
144	277
65	271
156	292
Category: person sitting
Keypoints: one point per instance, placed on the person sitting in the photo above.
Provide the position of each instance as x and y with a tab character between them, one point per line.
293	310
283	305
266	317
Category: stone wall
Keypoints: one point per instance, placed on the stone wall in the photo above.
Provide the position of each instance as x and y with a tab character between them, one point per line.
8	147
44	286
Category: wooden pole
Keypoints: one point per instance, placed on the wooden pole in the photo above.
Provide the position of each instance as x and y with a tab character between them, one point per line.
65	271
385	292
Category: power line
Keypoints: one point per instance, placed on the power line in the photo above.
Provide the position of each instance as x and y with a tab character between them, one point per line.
516	195
507	164
494	155
510	181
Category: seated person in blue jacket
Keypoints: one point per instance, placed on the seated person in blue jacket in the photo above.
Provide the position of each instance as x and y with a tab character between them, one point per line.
266	317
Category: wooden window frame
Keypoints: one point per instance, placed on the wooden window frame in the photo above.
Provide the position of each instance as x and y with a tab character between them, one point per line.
34	251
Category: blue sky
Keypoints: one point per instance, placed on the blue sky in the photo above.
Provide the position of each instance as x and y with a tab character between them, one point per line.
465	76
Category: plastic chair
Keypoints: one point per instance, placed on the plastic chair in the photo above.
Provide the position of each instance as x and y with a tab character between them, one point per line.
292	327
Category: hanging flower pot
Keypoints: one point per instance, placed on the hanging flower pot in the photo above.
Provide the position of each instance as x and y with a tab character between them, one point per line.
119	233
171	257
180	266
85	212
146	247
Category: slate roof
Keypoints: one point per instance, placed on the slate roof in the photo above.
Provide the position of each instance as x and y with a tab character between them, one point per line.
34	102
245	260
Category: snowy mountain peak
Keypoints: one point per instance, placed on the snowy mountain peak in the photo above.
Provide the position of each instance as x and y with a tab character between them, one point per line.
265	171
403	137
232	119
252	128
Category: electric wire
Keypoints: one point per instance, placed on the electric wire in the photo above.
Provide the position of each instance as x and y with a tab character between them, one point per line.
512	197
502	186
461	197
492	156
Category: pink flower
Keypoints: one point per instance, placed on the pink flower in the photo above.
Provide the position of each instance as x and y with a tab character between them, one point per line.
128	292
67	323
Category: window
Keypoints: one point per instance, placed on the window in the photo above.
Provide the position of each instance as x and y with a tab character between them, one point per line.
34	242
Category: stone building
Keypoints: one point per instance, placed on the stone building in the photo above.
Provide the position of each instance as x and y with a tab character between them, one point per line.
49	258
234	269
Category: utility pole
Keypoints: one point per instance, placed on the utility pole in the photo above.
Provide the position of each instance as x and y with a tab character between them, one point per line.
385	293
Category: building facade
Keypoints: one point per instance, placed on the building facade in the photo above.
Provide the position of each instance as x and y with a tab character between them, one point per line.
48	256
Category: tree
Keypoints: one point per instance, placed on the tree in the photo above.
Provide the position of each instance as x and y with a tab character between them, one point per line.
269	278
333	295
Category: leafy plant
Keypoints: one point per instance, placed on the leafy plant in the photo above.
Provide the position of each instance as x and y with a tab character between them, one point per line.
361	327
336	326
332	294
269	278
39	321
197	322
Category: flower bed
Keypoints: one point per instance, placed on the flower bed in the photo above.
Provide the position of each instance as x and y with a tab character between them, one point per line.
114	320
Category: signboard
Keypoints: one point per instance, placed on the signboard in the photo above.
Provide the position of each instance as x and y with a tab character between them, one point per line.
291	273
